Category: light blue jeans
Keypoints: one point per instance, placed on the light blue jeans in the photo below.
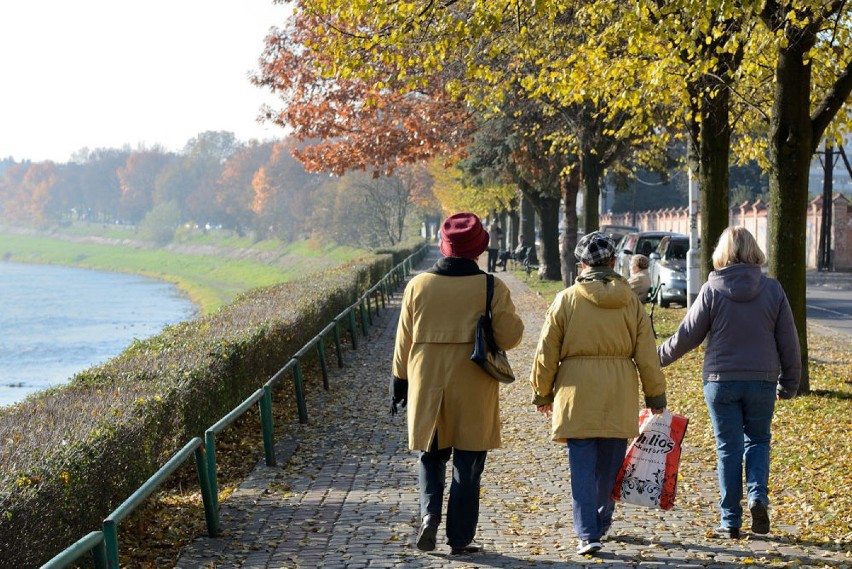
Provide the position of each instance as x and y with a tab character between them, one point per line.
741	413
594	465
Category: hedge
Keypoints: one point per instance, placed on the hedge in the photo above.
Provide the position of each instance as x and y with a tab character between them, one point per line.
70	455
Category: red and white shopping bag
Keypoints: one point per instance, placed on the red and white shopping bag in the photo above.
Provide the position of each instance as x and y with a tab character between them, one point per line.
648	476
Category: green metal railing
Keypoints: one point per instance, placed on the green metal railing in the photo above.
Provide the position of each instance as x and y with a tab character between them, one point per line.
103	545
93	541
110	524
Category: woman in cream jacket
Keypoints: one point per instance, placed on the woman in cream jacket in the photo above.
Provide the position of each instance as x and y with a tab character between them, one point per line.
452	404
595	348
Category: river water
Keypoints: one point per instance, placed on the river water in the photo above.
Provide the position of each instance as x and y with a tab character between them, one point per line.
57	321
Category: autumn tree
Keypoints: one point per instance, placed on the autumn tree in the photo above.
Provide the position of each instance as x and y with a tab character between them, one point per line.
366	211
354	123
283	200
520	154
137	179
813	81
99	183
203	161
235	191
347	123
477	56
13	198
45	203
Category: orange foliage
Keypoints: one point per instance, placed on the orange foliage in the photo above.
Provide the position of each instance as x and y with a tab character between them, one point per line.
350	124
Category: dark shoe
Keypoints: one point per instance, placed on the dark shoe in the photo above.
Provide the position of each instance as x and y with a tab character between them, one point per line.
759	517
428	534
587	547
726	533
466	549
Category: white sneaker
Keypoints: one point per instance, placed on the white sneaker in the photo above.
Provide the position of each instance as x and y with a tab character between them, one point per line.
588	547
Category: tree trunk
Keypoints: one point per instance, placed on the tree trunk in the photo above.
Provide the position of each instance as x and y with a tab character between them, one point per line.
790	148
547	209
513	233
590	165
526	213
570	189
548	257
714	152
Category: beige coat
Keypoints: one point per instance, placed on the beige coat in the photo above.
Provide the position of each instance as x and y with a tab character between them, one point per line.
595	347
446	391
640	282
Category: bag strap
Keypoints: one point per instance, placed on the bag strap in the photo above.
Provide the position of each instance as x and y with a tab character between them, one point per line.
489	293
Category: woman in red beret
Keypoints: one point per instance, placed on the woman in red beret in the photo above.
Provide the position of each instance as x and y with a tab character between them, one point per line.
452	404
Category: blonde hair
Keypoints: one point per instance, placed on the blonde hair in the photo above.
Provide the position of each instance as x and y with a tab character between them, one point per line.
737	245
641	262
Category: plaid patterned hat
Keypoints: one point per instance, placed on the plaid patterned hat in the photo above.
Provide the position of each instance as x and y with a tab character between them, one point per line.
595	249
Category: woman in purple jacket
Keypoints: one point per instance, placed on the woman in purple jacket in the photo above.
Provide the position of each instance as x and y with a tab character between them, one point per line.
752	357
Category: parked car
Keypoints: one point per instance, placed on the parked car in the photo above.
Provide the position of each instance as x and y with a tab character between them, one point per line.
642	242
618	231
668	270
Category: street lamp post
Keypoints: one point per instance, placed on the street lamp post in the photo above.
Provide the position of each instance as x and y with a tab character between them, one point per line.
693	255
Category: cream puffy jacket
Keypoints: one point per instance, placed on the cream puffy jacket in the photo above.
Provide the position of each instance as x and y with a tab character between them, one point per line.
596	346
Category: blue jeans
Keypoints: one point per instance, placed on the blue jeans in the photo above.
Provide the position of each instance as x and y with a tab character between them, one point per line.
594	465
741	413
463	503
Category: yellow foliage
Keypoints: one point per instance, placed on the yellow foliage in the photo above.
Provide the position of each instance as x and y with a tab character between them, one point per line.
455	192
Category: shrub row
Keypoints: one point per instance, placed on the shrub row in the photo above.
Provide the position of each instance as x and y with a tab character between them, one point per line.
72	454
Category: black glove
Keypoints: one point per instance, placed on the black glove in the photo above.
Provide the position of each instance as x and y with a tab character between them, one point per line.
784	393
399	394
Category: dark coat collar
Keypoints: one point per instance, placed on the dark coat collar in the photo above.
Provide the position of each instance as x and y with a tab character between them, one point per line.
455	267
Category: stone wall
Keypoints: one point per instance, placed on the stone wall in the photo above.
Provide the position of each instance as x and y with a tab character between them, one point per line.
754	217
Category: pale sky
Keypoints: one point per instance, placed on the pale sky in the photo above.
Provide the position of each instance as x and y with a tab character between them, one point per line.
109	73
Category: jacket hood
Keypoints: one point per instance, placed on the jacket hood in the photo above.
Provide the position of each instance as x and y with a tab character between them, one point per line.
741	282
604	287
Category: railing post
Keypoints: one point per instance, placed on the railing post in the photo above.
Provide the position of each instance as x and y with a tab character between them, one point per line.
111	543
265	406
211	515
99	556
323	363
212	482
352	328
299	387
368	301
337	345
364	325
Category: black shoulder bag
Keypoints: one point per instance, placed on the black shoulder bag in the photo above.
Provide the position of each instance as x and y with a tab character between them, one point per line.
485	351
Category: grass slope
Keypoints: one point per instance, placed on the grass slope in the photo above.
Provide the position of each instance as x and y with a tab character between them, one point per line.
211	273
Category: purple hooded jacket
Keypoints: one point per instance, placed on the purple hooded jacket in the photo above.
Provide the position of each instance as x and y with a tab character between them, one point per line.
749	328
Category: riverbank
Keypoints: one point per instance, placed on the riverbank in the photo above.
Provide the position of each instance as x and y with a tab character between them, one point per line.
211	272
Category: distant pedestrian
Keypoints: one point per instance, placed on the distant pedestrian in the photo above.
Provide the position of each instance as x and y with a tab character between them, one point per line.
495	233
596	346
751	358
452	404
640	277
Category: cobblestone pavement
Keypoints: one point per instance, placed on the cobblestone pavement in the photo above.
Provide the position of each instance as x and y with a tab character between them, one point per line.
345	491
